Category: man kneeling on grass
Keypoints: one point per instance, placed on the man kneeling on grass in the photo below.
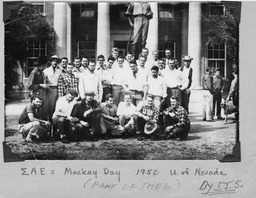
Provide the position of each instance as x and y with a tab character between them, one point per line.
87	117
175	120
146	118
61	118
31	125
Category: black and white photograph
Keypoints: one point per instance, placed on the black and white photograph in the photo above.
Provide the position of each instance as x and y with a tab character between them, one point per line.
121	81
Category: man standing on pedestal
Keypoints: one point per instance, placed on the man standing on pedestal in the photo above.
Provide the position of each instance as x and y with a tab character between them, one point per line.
141	13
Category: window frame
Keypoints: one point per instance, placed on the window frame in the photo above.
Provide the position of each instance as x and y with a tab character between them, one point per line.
86	50
215	4
33	57
172	11
219	59
94	9
39	4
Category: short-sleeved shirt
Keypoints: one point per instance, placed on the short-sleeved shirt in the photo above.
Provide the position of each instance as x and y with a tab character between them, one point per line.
123	109
151	111
24	119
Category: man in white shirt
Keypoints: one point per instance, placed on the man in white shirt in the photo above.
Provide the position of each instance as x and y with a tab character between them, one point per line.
126	111
52	74
161	66
106	76
128	59
173	78
187	72
61	117
137	83
100	62
119	81
77	67
152	61
156	86
142	66
90	82
84	66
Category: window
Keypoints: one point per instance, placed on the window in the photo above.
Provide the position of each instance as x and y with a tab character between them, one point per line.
166	11
217	9
117	11
163	45
217	57
88	10
40	7
86	49
35	49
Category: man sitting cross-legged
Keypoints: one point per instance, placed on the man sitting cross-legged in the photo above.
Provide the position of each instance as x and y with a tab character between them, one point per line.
110	118
126	111
175	120
61	117
31	124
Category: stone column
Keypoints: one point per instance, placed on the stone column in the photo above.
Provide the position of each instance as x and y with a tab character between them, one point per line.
184	32
194	41
62	27
152	40
103	30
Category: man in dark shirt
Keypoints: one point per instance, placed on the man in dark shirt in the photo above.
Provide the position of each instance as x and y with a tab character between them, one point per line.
87	117
31	123
207	83
37	83
217	91
175	120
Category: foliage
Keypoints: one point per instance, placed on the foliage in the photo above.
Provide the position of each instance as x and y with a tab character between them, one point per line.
223	29
24	24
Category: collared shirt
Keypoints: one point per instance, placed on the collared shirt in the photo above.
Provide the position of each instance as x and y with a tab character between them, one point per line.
173	78
157	86
181	116
207	82
67	81
63	107
119	75
83	69
52	75
90	82
106	76
136	81
36	78
139	8
30	108
187	77
78	71
124	109
217	83
109	110
150	111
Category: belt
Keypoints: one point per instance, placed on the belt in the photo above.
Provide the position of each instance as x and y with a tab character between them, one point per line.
133	90
172	87
53	87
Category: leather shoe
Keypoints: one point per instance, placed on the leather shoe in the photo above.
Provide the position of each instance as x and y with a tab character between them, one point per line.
220	118
64	140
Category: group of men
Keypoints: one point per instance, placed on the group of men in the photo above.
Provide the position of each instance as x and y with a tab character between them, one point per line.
147	97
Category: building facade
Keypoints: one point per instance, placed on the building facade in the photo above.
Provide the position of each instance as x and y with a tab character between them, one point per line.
90	29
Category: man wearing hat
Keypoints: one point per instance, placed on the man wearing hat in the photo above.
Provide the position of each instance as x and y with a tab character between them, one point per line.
52	74
87	117
175	120
38	85
146	115
187	72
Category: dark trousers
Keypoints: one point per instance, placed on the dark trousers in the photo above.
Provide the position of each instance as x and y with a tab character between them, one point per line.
79	131
93	120
185	99
106	90
168	121
139	123
53	96
63	125
216	100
